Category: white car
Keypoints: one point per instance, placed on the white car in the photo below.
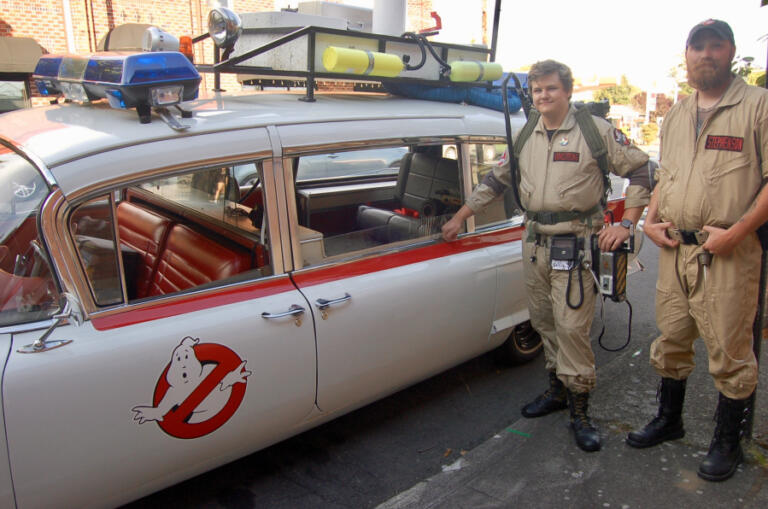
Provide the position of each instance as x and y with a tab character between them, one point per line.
174	299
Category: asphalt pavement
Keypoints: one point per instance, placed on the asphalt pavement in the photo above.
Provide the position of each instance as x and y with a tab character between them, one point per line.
535	462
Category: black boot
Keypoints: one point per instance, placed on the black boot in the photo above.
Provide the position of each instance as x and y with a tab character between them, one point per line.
587	437
552	400
725	452
668	424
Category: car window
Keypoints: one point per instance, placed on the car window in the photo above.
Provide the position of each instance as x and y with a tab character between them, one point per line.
176	233
354	163
93	230
27	289
483	158
352	216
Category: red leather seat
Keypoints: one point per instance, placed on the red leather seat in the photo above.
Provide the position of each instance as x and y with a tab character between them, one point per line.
145	232
191	259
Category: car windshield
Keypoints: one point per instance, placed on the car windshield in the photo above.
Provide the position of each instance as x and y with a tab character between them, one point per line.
27	292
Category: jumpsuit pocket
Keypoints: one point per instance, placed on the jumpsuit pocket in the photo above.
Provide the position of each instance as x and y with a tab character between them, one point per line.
731	186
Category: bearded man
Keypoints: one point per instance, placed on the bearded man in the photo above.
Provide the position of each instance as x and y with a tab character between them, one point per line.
707	204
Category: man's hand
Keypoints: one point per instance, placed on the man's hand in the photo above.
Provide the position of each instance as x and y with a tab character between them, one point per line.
657	232
719	241
612	237
452	228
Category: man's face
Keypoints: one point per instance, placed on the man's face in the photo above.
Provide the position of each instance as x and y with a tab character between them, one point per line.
549	96
708	59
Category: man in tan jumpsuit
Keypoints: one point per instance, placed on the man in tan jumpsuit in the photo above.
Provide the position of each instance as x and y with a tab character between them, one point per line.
706	206
561	188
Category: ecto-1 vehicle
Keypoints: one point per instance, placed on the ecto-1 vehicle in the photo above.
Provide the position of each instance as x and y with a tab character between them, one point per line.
180	293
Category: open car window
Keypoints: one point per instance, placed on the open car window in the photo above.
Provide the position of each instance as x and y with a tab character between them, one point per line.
408	204
483	158
194	230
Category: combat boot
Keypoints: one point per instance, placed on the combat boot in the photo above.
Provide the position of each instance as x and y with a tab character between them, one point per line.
587	436
725	452
551	400
668	424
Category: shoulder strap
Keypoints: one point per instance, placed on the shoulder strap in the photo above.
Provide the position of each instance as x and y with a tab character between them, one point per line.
595	143
525	132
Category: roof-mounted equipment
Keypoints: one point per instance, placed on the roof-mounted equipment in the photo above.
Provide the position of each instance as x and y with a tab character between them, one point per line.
127	80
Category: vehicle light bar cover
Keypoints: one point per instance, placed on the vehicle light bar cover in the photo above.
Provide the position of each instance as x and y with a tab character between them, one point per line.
126	80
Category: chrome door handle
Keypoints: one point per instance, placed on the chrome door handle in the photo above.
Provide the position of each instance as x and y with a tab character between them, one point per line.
325	303
295	309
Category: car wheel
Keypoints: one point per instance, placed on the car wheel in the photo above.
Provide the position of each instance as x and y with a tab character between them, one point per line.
522	345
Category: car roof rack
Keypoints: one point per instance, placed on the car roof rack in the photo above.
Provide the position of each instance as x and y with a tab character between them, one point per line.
372	62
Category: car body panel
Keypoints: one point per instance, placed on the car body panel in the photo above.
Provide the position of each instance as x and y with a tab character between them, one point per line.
83	421
61	440
381	355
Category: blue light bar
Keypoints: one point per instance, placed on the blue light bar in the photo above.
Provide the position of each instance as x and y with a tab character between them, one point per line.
127	80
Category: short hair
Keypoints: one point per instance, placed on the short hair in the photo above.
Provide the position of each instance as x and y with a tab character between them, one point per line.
547	67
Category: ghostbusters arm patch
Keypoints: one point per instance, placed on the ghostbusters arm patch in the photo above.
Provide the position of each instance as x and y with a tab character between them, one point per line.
620	138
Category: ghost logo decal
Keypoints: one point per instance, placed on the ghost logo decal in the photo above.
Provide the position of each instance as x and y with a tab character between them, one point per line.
198	391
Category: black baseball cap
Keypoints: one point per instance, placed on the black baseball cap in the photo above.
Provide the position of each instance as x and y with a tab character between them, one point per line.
721	28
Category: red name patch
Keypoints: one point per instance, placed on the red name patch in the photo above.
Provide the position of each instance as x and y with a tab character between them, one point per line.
730	143
568	157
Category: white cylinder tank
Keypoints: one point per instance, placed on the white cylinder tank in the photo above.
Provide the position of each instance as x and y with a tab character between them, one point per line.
389	16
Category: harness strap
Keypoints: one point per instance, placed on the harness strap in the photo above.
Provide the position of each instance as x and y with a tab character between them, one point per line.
595	144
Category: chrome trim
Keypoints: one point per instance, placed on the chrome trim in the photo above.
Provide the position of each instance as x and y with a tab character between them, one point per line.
278	226
466	180
119	251
32	158
323	304
61	248
295	309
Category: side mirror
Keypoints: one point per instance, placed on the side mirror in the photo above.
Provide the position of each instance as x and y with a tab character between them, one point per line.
71	312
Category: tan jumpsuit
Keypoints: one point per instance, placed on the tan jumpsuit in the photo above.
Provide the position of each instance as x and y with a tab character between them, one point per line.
561	175
711	179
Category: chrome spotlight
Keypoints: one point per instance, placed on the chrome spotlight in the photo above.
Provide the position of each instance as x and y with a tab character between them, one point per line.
224	27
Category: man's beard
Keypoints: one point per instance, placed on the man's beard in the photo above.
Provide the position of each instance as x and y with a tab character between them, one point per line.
707	76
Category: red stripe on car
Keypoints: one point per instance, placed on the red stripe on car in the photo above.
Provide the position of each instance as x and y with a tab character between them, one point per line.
308	277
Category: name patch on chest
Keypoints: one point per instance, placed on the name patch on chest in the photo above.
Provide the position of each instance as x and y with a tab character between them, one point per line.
729	143
568	157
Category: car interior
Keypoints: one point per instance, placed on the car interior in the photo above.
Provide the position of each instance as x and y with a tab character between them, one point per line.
206	226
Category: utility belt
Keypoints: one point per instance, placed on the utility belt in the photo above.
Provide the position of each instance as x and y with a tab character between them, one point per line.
549	218
689	237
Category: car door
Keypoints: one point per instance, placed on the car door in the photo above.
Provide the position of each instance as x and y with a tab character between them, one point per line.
160	388
392	302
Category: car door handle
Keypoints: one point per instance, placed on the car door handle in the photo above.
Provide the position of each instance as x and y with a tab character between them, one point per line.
294	310
325	303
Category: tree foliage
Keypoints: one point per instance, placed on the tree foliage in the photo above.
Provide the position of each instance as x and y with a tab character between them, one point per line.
663	103
649	132
617	94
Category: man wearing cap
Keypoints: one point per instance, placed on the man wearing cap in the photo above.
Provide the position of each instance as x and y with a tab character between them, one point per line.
707	204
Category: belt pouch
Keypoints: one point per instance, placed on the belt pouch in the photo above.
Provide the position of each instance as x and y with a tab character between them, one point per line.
564	247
